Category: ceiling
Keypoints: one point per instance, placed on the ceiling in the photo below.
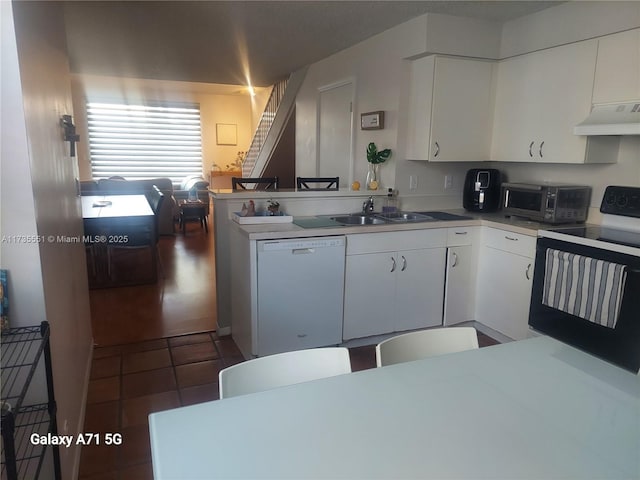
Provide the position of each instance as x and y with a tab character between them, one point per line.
240	42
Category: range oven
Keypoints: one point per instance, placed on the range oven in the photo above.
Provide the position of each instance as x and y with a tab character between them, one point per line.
586	284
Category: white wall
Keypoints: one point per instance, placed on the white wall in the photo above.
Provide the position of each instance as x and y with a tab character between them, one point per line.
17	216
43	193
229	104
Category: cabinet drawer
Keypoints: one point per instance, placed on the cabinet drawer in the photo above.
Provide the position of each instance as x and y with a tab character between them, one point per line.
510	242
457	237
395	241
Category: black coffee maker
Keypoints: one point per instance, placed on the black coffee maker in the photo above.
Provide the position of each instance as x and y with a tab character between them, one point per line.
482	190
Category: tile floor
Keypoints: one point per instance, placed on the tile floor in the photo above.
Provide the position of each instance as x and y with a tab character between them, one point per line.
128	382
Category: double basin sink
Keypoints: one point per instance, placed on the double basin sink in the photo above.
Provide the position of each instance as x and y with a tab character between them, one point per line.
395	217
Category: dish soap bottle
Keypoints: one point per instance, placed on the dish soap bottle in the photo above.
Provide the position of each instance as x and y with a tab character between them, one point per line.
391	203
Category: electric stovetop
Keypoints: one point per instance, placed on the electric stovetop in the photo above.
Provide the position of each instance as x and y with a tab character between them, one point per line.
603	234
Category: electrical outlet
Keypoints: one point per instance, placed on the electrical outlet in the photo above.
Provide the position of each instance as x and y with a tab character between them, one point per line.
413	182
448	182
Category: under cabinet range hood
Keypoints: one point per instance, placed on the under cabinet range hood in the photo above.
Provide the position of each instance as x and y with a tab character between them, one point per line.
611	119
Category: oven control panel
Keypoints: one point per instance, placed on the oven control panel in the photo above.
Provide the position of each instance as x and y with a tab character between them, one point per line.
623	201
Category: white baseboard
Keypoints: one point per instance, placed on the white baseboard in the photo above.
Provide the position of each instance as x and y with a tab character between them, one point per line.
223	331
83	410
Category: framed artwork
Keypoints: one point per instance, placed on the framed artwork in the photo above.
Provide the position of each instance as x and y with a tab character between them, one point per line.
226	134
372	120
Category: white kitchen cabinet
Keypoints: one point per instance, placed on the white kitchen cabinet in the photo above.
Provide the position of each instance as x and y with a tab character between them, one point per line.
504	281
450	108
394	281
370	290
540	97
460	275
617	76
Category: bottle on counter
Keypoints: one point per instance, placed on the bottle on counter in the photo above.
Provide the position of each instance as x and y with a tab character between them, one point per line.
391	202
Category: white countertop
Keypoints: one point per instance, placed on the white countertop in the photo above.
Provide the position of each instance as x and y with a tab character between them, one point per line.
531	409
496	220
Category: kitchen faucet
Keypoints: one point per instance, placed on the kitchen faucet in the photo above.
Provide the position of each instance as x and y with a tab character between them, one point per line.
367	206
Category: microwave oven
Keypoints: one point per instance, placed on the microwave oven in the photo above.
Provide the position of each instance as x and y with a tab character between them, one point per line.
546	202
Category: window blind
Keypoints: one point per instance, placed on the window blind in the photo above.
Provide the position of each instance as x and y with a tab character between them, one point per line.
142	141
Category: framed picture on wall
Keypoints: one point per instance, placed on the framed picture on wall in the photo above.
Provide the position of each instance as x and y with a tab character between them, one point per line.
372	120
226	134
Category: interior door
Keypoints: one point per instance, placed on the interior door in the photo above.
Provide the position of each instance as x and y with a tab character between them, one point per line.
335	131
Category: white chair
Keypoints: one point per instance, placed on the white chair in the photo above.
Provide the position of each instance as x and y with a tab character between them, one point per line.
425	343
283	369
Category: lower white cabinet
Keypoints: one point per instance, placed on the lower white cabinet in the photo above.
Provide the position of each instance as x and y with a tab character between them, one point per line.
505	275
458	304
461	269
393	290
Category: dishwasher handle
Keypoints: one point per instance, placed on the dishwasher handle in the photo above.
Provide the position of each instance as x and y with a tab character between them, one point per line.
302	251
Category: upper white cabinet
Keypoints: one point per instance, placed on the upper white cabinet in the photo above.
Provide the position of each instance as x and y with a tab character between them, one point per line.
540	97
618	68
450	108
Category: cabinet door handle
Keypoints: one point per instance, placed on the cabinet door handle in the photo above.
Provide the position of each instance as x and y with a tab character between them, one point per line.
530	147
454	256
513	239
437	150
393	264
404	264
526	272
540	151
460	233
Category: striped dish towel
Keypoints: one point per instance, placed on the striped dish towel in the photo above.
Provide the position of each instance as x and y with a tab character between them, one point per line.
582	286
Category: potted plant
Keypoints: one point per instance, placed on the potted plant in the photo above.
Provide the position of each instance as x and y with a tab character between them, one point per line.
375	157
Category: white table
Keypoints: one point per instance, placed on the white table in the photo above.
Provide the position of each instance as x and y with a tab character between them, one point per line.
534	409
122	206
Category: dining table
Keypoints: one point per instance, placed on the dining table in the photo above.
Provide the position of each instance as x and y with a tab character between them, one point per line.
109	208
114	223
528	409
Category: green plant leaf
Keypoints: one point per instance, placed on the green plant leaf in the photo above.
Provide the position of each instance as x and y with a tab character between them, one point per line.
374	156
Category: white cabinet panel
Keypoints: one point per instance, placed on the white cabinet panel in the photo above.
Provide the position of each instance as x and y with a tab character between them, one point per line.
540	97
397	290
451	103
370	290
504	291
419	288
459	295
618	68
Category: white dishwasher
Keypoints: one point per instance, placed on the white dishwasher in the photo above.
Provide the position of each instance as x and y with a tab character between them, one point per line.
300	293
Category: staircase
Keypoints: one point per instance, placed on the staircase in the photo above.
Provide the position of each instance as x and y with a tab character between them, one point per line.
274	118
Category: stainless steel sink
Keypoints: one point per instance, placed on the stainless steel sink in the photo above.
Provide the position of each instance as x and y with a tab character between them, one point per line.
405	217
358	220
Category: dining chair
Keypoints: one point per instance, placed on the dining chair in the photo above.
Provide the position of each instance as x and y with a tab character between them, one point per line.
318	183
272	371
156	198
425	343
240	183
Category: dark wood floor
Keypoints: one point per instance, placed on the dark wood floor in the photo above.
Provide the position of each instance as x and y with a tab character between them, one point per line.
183	301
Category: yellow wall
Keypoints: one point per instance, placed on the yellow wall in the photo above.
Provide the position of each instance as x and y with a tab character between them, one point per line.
227	104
